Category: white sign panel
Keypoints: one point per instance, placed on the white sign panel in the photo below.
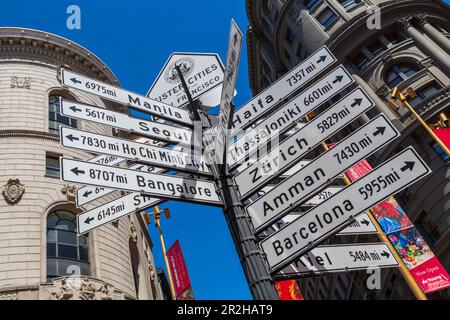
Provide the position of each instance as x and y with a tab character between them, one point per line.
265	101
291	150
114	210
323	221
155	185
155	130
77	81
203	72
362	225
157	156
300	186
340	258
286	116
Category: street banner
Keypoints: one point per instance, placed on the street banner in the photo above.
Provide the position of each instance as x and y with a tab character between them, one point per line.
444	135
423	265
288	290
178	270
337	212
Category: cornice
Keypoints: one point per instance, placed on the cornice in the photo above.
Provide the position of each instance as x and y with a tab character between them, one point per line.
28	134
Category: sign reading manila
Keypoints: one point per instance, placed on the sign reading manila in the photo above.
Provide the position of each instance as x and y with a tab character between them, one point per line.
203	72
285	117
339	258
155	185
292	81
290	193
337	212
292	149
115	94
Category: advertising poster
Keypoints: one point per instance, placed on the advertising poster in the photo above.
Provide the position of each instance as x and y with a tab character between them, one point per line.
288	290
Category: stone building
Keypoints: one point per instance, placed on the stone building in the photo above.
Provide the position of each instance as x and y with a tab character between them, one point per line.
41	256
411	48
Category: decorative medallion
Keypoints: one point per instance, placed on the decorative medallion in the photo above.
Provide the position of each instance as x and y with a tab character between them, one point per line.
17	82
13	191
69	190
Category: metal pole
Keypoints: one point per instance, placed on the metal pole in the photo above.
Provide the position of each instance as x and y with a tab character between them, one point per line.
256	270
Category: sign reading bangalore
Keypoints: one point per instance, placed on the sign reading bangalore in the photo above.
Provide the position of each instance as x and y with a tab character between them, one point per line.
155	185
290	193
77	81
283	87
337	212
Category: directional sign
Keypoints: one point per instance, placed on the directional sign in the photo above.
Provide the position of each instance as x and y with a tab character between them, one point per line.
300	186
155	130
286	116
295	79
323	221
340	258
291	150
155	185
77	81
235	42
314	201
157	156
203	72
114	210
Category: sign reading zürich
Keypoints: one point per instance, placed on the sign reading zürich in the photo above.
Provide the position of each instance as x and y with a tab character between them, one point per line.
285	196
337	212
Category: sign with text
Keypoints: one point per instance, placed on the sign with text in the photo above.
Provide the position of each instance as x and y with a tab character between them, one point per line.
115	94
299	187
325	220
178	269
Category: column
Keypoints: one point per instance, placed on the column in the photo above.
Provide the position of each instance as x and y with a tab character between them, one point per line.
433	33
430	48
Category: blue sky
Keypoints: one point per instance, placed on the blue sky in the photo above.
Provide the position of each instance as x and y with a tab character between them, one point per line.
134	38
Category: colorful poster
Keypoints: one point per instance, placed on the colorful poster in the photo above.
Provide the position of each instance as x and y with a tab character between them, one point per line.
179	272
288	290
414	251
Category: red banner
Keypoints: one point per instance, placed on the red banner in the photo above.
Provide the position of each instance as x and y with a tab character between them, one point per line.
412	248
179	272
288	290
443	135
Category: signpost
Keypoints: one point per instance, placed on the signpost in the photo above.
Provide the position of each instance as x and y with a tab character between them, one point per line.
104	90
291	150
295	79
122	121
155	185
157	156
299	187
318	224
286	116
203	72
339	258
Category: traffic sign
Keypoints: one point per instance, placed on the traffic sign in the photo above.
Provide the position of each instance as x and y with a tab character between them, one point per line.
340	258
155	130
295	79
114	210
155	185
291	150
337	212
157	156
77	81
235	42
300	186
203	72
286	116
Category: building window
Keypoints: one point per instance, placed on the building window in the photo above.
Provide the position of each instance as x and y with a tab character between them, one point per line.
327	18
400	72
289	36
424	93
441	153
349	4
311	4
67	253
52	166
55	119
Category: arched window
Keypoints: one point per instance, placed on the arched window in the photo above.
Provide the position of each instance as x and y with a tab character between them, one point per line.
400	72
55	119
67	253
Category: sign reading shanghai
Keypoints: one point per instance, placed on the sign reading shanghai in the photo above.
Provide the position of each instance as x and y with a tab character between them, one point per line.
202	71
337	212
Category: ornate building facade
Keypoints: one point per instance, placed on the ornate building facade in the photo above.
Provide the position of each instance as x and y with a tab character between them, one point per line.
410	49
41	256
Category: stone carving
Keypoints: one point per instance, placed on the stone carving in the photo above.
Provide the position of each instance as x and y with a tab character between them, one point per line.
69	190
8	296
63	292
17	82
83	288
405	23
13	191
422	19
134	234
